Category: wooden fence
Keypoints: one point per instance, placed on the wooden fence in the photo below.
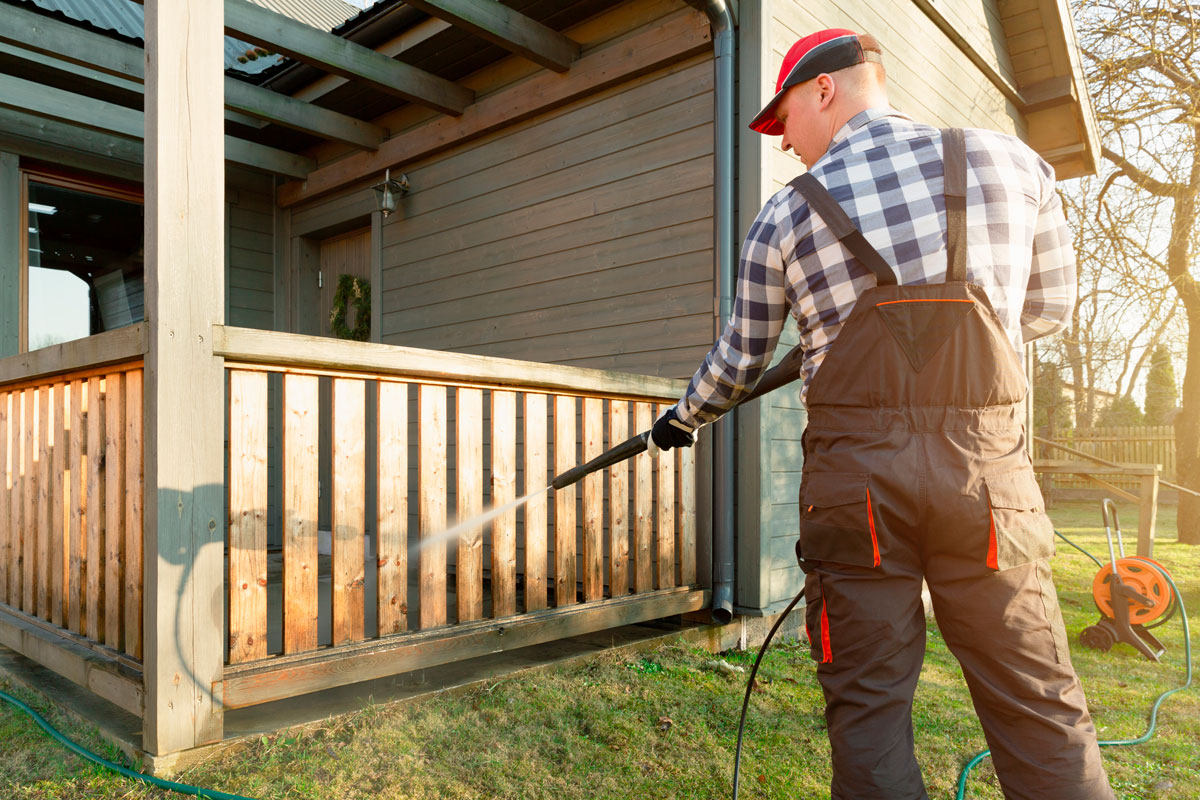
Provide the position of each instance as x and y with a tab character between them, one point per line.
1125	445
71	502
431	439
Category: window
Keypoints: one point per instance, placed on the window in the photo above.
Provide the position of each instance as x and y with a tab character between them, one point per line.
85	259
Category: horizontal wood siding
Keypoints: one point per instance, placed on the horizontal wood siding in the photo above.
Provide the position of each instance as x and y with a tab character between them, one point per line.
583	238
251	273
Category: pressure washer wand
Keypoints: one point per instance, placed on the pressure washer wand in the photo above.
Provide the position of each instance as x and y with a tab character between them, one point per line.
786	371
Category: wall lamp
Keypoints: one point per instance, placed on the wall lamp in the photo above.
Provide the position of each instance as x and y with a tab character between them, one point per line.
388	193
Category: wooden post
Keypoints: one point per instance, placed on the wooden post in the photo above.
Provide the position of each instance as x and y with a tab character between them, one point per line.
564	503
184	381
348	509
11	217
391	529
593	502
535	509
468	448
431	512
504	491
1148	514
618	502
247	516
5	493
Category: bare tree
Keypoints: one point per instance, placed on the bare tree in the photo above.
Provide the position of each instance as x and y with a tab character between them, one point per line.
1126	307
1141	61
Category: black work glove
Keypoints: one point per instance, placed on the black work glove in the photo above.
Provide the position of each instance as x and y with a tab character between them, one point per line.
668	432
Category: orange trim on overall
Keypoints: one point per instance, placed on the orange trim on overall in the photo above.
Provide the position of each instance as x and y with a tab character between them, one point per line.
992	557
928	300
826	649
871	522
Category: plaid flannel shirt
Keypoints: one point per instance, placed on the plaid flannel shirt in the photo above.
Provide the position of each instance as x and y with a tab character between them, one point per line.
886	172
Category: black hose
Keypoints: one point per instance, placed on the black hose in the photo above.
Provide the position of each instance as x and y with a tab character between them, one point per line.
762	651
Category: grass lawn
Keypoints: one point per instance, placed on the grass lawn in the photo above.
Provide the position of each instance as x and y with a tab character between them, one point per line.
664	725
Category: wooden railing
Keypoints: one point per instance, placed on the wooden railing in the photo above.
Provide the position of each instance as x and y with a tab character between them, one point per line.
449	432
1138	444
71	502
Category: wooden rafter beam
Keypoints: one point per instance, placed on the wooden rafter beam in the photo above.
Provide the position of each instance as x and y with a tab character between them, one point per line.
40	100
510	29
69	48
331	53
678	36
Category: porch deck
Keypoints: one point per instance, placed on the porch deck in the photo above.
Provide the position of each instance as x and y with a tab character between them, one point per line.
304	614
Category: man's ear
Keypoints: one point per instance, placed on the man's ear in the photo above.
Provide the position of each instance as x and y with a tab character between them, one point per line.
826	89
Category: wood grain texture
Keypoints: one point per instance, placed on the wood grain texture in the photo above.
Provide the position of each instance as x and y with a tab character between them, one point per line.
392	523
468	449
431	483
247	516
45	414
16	508
687	515
96	517
349	508
135	494
300	477
77	523
536	509
6	483
504	491
593	502
665	516
114	509
564	502
59	502
29	487
643	506
618	503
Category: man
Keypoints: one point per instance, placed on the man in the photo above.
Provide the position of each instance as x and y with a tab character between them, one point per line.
917	263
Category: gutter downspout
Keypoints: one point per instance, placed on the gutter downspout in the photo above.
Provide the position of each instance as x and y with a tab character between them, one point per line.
720	16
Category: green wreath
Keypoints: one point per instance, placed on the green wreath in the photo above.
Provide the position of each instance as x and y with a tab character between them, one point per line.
360	288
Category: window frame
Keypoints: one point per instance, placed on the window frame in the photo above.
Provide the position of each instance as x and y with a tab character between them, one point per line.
64	179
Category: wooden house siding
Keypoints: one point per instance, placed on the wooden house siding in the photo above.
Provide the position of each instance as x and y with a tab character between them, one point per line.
584	238
250	259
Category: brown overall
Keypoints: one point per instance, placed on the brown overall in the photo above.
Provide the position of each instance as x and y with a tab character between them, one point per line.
915	466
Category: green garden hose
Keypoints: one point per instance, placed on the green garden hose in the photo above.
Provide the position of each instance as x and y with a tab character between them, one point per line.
1145	737
181	788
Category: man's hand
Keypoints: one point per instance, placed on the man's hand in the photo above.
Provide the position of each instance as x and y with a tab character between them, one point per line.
669	432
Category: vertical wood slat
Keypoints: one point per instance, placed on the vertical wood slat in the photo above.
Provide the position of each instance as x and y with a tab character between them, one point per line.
77	523
135	491
643	506
665	474
348	508
504	491
536	508
687	515
114	508
59	506
5	492
618	502
300	476
564	502
431	482
247	516
45	404
593	502
469	493
16	506
392	524
29	487
96	510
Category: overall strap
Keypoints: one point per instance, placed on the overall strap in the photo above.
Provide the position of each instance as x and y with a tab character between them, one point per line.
821	201
954	158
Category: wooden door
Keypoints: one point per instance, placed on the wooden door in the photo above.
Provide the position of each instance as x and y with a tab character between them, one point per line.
347	254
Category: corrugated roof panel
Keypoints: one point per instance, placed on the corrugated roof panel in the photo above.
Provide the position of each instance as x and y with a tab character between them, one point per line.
128	19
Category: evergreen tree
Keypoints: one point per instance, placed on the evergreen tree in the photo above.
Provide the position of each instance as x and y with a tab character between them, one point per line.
1123	412
1051	406
1161	391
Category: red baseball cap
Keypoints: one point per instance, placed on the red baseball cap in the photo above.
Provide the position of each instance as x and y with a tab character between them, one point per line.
824	51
